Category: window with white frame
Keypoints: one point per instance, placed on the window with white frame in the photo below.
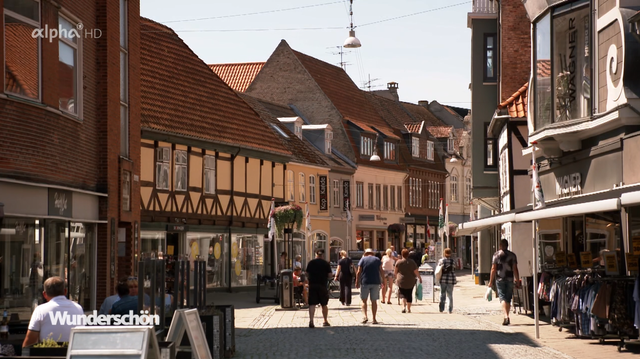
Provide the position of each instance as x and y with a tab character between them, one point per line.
328	136
420	203
450	144
163	163
22	60
392	199
415	147
302	190
359	194
400	207
298	130
68	66
468	188
181	170
336	193
366	146
385	197
124	78
312	189
389	151
126	191
209	174
411	192
378	197
430	147
370	195
453	182
290	188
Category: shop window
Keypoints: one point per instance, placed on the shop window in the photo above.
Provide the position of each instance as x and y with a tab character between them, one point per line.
312	189
212	247
359	194
550	244
163	160
22	59
209	174
181	170
490	58
363	239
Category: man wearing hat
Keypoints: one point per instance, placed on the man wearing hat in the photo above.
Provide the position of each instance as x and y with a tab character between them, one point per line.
369	279
318	271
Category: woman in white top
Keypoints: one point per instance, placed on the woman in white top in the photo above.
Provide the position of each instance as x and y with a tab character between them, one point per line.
387	282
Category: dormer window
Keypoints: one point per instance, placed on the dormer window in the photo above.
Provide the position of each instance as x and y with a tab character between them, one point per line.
389	151
450	145
415	147
298	130
328	136
430	148
366	146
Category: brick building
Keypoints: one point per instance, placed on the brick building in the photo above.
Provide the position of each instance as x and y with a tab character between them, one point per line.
69	147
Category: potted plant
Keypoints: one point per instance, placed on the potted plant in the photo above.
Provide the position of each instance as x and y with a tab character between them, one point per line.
287	215
47	348
396	228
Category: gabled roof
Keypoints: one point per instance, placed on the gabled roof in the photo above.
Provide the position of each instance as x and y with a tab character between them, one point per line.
180	95
348	99
440	131
302	151
516	105
239	75
420	113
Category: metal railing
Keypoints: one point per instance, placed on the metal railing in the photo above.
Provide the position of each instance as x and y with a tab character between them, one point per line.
485	6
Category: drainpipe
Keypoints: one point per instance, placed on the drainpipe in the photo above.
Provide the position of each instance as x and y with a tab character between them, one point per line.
233	203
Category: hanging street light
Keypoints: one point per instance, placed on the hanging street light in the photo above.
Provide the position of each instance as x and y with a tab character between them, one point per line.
352	41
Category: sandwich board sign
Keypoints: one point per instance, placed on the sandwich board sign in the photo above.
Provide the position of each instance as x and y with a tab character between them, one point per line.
128	342
188	320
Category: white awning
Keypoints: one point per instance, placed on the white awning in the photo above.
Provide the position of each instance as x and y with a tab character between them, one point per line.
605	205
630	198
466	228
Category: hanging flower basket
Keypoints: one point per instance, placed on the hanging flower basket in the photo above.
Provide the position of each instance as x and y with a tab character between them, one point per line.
395	228
287	215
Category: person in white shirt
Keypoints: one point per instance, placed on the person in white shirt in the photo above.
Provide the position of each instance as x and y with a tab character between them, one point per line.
41	326
388	262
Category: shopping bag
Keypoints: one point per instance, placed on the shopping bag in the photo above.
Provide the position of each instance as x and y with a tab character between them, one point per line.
419	291
489	294
438	273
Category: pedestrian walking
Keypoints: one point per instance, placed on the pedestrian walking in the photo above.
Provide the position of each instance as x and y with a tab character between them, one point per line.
318	271
448	280
344	274
406	273
504	272
388	262
369	279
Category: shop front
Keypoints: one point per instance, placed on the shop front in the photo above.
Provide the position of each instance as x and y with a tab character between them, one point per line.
372	231
47	232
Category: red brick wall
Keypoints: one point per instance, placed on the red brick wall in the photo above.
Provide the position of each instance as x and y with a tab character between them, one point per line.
515	47
39	144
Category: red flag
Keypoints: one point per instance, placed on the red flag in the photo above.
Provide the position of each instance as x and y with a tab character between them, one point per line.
428	229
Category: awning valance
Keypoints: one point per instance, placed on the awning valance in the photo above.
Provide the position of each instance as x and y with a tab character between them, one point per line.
467	228
605	205
630	198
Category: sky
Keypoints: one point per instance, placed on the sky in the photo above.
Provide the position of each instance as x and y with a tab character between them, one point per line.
422	45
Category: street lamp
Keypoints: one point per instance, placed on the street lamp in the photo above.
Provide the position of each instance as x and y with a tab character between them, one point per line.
352	41
375	156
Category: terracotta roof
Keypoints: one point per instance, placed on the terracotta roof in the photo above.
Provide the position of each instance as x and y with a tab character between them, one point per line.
414	127
544	68
343	93
516	105
22	60
181	95
440	131
239	75
301	150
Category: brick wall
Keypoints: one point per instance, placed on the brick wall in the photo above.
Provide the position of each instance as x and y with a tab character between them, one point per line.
515	48
39	144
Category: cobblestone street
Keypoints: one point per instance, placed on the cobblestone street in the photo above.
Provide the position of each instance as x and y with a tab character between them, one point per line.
472	331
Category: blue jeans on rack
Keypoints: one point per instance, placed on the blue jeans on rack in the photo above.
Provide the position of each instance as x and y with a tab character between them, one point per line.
446	290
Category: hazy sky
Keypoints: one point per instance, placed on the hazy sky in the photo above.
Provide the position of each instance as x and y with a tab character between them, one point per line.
427	53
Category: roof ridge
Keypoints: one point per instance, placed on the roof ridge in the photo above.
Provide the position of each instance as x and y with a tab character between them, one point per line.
238	63
515	96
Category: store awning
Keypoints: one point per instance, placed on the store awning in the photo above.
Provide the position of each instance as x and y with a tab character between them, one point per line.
630	198
605	205
467	228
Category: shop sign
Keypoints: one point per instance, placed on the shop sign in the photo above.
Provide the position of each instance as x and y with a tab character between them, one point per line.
632	262
572	261
586	259
561	259
177	228
636	245
60	203
324	205
380	218
367	217
346	194
570	184
611	263
407	220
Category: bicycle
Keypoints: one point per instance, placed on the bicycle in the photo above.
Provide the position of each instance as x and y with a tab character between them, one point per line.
333	287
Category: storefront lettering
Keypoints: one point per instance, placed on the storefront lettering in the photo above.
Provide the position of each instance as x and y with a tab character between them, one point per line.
324	205
346	194
573	36
569	184
60	202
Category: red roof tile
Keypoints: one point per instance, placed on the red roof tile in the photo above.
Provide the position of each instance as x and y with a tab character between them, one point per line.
343	93
440	131
239	75
517	103
21	60
544	68
414	127
181	95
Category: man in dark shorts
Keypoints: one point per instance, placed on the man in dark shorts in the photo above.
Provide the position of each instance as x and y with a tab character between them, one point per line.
504	273
318	272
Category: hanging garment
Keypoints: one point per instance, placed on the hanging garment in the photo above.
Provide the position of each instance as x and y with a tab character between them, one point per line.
602	303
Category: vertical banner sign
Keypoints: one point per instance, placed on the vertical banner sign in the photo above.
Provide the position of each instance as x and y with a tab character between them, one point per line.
113	247
346	194
324	205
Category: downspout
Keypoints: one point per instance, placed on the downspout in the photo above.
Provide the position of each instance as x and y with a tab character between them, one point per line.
233	204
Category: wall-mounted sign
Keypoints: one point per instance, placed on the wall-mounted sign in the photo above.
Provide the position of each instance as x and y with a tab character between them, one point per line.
177	228
407	220
570	184
346	194
380	218
367	217
60	203
586	259
324	204
632	262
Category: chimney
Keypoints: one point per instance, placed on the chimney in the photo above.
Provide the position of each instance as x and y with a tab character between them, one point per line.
393	89
424	103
